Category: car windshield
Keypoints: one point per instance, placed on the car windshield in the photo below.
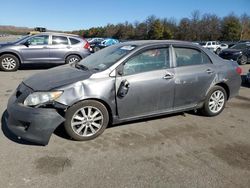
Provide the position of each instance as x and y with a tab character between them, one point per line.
105	58
240	46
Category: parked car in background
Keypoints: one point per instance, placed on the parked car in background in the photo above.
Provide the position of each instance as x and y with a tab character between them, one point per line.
240	52
248	77
214	46
45	47
96	39
96	46
37	30
120	83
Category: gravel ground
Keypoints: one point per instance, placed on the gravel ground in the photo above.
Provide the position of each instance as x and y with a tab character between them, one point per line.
181	150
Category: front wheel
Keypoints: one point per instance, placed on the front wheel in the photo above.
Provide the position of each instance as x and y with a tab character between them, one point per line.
9	62
215	101
86	120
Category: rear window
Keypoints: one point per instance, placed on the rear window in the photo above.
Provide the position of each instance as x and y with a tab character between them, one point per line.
59	40
189	57
74	41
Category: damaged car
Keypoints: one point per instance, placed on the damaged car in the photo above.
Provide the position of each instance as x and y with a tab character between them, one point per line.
123	82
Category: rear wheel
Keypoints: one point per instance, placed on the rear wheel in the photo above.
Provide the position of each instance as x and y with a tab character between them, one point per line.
242	60
217	50
96	49
215	101
9	62
72	59
86	120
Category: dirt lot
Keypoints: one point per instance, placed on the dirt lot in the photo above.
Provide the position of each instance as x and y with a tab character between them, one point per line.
182	150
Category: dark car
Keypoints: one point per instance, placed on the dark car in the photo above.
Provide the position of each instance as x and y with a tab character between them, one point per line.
46	47
96	46
240	52
123	82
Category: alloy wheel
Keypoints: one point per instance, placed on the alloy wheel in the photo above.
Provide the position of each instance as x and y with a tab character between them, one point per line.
73	60
8	63
87	121
216	101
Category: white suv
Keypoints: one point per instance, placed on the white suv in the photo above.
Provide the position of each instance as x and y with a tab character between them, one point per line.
214	46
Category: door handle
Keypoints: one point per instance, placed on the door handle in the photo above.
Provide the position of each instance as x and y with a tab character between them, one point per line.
168	76
209	71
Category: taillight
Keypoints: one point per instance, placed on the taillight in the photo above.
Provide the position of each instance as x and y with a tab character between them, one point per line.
238	70
86	46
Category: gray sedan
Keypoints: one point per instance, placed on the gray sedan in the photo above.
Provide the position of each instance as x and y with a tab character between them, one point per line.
124	82
45	47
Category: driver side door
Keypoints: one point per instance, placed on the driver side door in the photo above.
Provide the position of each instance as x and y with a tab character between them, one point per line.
145	85
36	49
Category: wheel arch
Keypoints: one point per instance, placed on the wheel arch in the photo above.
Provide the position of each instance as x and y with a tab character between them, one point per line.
107	106
12	53
224	86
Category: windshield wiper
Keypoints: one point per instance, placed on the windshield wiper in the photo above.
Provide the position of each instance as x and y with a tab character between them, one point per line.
80	66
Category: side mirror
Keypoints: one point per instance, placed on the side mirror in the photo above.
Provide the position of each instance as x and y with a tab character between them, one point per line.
26	43
119	72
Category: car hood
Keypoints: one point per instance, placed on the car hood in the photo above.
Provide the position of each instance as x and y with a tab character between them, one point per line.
56	77
6	44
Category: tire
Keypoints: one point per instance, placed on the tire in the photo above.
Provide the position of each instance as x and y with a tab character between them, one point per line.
9	63
96	49
72	59
217	51
220	102
242	60
79	126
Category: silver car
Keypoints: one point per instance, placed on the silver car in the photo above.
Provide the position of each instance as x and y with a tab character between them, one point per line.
43	48
124	82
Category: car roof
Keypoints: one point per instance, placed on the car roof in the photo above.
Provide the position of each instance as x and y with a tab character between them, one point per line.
156	42
58	33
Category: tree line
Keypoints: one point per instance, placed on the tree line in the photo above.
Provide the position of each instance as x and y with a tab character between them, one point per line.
198	27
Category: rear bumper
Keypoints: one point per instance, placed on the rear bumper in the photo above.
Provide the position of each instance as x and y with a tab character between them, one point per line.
32	124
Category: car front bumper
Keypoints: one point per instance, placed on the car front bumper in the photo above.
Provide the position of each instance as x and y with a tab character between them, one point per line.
32	124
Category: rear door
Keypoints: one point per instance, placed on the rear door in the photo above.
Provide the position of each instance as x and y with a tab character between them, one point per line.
146	84
59	48
194	73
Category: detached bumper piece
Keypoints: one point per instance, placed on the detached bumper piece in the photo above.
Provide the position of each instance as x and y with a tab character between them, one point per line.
32	124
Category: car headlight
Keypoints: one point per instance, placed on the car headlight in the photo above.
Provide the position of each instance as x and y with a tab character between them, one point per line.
37	98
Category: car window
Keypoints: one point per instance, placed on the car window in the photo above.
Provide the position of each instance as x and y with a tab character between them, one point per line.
39	40
213	43
209	43
189	56
73	41
59	40
150	60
